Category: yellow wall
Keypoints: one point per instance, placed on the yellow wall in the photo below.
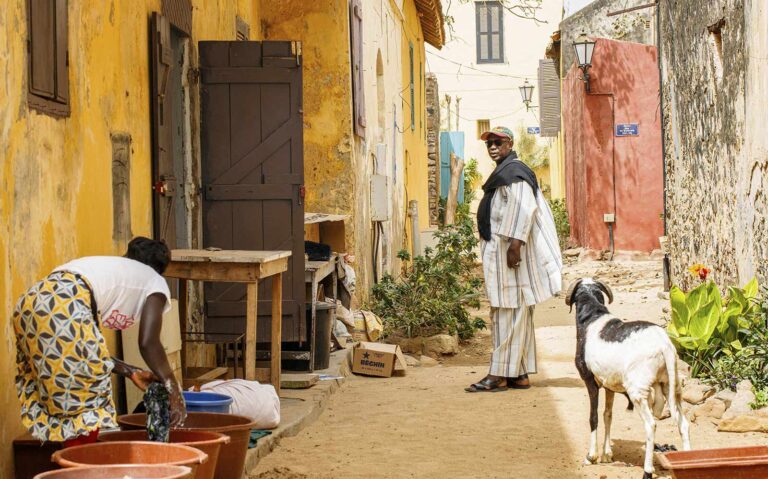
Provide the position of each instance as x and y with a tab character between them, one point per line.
557	168
414	140
55	174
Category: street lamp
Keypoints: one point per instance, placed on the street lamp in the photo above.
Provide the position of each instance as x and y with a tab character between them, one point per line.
584	49
526	91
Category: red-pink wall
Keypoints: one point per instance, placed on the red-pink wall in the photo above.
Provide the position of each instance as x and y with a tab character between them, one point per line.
628	71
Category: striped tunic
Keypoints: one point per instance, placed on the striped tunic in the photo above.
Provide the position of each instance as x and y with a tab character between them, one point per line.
517	213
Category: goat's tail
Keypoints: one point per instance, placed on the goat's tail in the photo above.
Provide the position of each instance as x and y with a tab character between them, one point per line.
670	358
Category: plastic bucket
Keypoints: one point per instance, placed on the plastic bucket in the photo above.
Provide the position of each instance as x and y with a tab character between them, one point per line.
119	472
205	401
231	456
207	441
137	452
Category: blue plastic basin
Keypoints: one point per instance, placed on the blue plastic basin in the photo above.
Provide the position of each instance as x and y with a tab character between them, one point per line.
207	402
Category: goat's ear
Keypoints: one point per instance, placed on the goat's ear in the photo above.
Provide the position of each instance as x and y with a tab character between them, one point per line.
571	292
606	289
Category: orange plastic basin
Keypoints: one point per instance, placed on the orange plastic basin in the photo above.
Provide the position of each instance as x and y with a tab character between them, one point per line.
207	441
726	463
112	453
119	472
231	456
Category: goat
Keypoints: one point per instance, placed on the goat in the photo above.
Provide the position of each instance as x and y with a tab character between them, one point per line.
629	357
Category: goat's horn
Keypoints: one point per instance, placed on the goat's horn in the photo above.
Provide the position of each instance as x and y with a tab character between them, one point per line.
571	290
606	289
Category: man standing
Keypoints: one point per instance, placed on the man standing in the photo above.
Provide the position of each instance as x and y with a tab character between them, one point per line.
521	258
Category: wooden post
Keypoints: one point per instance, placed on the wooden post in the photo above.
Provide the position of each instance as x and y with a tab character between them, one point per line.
183	324
277	332
251	318
457	166
448	106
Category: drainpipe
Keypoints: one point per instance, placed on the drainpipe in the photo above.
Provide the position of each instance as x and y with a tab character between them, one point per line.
413	212
666	266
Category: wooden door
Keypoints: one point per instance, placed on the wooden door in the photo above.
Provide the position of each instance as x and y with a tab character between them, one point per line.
252	169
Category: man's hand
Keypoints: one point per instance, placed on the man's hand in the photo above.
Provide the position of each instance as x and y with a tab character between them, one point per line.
142	379
513	253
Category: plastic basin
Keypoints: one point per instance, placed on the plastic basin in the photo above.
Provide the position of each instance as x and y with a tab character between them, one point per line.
134	452
207	401
726	463
231	456
119	472
207	441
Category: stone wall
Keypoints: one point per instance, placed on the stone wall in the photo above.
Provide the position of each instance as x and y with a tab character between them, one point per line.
714	91
638	26
433	146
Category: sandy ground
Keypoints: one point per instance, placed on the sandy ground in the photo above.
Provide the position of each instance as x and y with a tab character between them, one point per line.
424	425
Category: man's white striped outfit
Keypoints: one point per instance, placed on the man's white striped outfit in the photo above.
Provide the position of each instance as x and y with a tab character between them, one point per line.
517	213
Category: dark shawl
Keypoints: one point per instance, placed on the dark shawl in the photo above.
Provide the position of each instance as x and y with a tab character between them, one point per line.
509	170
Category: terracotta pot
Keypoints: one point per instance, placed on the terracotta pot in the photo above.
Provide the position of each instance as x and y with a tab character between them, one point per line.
231	456
207	441
119	472
726	463
113	453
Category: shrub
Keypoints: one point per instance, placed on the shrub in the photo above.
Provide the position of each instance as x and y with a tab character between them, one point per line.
562	225
436	288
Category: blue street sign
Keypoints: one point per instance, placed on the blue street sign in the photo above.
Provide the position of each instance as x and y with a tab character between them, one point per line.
627	129
534	130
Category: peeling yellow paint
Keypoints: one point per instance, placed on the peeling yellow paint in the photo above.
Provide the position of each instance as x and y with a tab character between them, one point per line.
55	174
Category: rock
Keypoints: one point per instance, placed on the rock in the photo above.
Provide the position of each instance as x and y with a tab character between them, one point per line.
743	423
441	344
663	295
665	310
570	253
428	362
726	395
683	370
712	408
696	393
408	345
589	255
411	361
744	385
740	404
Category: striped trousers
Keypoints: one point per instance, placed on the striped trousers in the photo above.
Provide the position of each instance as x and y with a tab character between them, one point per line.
514	343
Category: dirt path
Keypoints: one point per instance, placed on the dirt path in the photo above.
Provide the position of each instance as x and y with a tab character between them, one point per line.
424	425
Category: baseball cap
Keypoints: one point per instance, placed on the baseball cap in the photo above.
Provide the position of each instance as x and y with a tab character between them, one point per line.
500	131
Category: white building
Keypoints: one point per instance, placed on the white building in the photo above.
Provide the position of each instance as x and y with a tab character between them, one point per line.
489	53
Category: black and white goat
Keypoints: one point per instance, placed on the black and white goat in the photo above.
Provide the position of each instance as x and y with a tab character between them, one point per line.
629	357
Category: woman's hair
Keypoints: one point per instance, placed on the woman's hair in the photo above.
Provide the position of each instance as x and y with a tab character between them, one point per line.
153	253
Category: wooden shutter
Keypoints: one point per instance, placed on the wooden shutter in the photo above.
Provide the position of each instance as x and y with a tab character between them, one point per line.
356	48
42	48
413	99
179	14
549	98
62	53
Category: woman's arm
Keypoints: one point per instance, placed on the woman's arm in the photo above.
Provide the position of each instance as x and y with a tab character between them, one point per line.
141	378
154	354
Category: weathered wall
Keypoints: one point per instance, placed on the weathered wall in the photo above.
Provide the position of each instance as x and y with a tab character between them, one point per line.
716	150
625	75
55	174
433	146
638	26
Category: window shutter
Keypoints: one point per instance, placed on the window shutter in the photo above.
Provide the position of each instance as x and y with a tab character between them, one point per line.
62	52
356	47
549	98
161	57
42	48
413	99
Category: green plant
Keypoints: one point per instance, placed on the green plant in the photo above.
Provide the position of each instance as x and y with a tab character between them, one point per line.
562	225
761	399
472	179
704	326
529	150
436	288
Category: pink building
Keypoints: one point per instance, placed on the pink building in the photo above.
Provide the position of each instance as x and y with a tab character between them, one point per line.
613	157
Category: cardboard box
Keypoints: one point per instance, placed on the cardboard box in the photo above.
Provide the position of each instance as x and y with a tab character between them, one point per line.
375	359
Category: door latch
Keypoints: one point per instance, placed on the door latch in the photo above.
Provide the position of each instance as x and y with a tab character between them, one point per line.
166	186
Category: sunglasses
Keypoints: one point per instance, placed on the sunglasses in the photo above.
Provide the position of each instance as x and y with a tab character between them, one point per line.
497	142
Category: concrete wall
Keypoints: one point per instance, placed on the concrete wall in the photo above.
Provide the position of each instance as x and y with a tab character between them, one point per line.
715	94
492	92
55	174
638	26
634	192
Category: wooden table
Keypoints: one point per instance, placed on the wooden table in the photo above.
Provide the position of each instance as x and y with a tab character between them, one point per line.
237	267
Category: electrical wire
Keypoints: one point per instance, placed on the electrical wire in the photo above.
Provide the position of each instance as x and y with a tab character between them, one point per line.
480	70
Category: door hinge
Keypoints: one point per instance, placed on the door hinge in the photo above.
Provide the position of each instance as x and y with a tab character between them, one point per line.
302	194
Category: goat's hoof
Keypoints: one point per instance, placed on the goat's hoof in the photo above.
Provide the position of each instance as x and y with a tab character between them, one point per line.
607	457
647	475
590	460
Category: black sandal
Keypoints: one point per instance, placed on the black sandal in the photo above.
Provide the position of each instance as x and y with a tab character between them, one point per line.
487	385
511	382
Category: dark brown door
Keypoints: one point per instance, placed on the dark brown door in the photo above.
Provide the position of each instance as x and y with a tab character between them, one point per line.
163	176
252	169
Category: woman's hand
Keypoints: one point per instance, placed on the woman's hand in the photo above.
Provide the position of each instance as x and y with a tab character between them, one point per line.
178	406
142	378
